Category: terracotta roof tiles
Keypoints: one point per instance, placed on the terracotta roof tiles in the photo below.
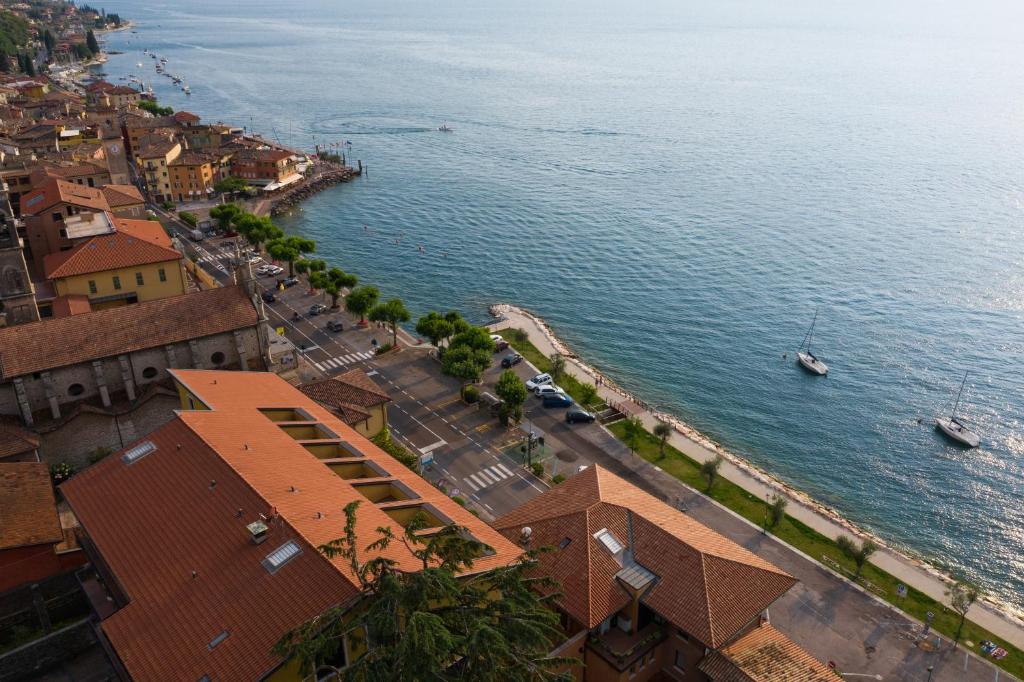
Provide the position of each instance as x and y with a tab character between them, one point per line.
28	505
27	348
136	242
706	584
122	195
765	655
16	440
56	191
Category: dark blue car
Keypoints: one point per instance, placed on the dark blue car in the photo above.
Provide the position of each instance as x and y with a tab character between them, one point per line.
557	400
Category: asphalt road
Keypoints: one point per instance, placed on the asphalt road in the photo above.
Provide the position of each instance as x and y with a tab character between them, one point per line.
831	618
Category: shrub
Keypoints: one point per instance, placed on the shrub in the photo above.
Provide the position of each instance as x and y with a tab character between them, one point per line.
168	205
384	442
516	335
98	454
471	394
538	469
61	472
190	218
558	478
383	348
458	500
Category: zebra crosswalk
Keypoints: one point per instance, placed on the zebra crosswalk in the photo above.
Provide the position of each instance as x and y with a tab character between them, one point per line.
342	360
488	476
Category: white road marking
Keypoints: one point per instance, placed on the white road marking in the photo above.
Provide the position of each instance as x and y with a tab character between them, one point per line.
430	448
478	482
487	477
372	373
496	472
471	484
318	366
503	468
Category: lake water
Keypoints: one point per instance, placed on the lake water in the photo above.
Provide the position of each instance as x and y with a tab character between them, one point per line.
676	187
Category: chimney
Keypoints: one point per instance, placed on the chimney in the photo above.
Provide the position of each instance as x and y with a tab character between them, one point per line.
258	531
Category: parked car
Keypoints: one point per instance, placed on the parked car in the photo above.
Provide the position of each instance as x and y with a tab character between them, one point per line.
500	344
268	296
538	380
264	269
289	281
547	389
196	235
230	233
578	414
557	400
511	359
317	308
271	270
335	326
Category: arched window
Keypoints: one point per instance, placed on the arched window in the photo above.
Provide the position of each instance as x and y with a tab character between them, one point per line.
76	390
150	372
217	358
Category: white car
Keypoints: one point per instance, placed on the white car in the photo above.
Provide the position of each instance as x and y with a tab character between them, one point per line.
547	389
272	269
539	380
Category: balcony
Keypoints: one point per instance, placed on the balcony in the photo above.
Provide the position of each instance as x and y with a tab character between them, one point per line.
381	492
333	449
362	469
622	649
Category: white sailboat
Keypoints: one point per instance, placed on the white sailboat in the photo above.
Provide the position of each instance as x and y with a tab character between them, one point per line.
955	429
806	358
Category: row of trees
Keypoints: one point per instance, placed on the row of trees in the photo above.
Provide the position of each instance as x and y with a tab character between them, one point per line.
264	235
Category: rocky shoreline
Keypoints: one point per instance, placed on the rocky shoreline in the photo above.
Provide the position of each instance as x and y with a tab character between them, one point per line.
750	476
325	179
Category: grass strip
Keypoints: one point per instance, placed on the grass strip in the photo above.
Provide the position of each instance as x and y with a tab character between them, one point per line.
814	544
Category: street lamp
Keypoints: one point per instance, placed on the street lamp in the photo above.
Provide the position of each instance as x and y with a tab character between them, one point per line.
931	668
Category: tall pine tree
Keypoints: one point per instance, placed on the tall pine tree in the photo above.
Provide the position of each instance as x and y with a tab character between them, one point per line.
91	42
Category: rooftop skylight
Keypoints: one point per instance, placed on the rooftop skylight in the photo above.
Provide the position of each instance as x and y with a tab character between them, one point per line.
138	452
609	541
282	555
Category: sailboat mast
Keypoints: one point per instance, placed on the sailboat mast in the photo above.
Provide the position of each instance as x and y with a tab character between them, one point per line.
959	394
810	333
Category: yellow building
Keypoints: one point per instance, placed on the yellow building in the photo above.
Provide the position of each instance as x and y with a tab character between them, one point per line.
136	263
154	161
193	175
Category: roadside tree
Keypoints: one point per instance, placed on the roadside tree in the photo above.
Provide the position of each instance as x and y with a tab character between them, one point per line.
231	185
859	555
435	327
391	313
634	433
257	230
439	623
776	511
290	249
709	470
587	394
557	366
361	301
466	364
512	391
225	214
309	268
662	431
962	596
332	282
477	338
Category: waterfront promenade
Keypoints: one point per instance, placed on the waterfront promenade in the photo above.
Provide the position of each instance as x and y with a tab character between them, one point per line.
801	507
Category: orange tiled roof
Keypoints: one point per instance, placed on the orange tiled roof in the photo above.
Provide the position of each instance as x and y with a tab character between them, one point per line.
128	247
706	584
56	191
185	117
72	304
27	348
765	655
157	521
29	508
349	393
122	195
160	518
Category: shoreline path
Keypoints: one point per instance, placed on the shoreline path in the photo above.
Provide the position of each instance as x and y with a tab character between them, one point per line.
915	573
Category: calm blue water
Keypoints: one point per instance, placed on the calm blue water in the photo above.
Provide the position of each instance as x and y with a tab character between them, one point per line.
675	187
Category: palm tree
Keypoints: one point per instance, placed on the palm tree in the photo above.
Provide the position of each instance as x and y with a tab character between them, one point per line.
962	595
709	470
859	555
662	431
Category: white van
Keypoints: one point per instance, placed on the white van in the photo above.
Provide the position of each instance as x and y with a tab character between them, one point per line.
196	235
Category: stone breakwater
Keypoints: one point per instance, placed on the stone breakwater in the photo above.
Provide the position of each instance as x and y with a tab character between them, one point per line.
322	180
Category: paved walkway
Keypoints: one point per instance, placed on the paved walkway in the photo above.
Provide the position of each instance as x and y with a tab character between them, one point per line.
800	507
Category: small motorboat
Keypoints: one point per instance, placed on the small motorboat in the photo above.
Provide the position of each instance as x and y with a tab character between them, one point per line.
955	429
806	358
445	128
